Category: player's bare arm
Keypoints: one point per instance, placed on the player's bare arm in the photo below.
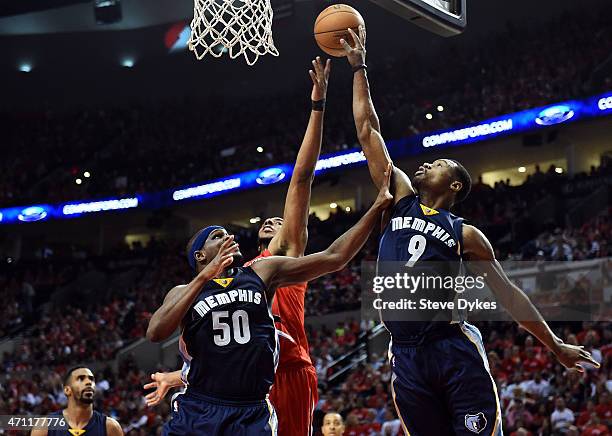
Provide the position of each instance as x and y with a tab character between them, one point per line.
39	432
168	317
293	235
367	123
162	382
281	271
478	248
113	428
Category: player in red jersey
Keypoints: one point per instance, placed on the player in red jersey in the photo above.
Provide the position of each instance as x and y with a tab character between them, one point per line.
294	393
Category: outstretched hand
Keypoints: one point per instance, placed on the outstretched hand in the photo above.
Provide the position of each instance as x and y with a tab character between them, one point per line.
320	78
161	384
355	53
572	356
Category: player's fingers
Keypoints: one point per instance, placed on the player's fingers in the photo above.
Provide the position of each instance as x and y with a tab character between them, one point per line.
588	358
345	45
362	34
313	77
319	65
356	40
578	368
315	66
149	385
327	67
388	174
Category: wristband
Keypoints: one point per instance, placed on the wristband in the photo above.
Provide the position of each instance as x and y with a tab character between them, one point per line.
318	105
359	67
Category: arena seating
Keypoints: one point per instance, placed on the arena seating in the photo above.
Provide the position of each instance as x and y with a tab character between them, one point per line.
161	144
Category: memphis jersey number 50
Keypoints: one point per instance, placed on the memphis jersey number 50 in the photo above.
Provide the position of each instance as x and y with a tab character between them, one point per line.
239	328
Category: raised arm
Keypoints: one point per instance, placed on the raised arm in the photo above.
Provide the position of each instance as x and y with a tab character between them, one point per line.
168	317
478	248
280	270
367	123
293	235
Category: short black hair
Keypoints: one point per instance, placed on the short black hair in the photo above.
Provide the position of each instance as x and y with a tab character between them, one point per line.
466	180
70	371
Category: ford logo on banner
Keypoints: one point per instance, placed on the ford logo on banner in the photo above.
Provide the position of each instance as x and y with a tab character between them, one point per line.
270	176
33	213
554	115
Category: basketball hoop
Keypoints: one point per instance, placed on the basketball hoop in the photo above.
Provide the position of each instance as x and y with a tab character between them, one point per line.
240	27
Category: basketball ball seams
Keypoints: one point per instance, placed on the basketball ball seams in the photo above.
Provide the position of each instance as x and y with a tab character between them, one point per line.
338	32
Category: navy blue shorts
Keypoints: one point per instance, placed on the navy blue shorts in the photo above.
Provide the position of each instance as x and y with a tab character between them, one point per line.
444	387
194	414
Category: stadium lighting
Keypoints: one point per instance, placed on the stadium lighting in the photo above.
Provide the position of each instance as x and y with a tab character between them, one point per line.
440	108
127	63
429	116
78	181
259	149
333	205
522	169
558	170
347	208
87	174
255	220
25	67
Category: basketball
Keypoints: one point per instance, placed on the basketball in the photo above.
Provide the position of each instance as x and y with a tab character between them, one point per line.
331	25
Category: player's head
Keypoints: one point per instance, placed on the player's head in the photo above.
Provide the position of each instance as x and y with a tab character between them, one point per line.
443	177
204	246
80	385
333	425
269	228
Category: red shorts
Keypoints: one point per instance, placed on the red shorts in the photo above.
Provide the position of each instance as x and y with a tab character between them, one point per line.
294	395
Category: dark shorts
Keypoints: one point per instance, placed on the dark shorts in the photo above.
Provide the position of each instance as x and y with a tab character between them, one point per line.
195	414
444	387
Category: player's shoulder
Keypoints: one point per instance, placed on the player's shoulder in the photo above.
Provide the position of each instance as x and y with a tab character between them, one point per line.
113	428
475	243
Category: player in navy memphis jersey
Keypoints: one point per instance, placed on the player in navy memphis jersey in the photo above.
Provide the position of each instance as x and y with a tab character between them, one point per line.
228	339
79	415
441	381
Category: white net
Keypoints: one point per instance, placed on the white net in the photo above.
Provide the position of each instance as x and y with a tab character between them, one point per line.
240	27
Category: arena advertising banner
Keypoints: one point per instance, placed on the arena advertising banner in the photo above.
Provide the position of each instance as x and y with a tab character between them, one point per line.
519	122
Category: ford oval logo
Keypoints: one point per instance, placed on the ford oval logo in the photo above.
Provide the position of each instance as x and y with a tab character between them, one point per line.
33	213
554	115
270	176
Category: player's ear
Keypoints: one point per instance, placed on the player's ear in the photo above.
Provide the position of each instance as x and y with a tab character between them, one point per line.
199	256
456	186
67	391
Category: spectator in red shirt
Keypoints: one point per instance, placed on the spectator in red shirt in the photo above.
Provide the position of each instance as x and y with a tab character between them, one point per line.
604	408
379	394
585	415
595	427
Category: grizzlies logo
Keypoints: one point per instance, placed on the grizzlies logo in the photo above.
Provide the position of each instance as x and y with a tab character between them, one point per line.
475	423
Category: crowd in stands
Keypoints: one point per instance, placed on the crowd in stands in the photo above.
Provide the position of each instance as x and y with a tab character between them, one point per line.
156	145
538	397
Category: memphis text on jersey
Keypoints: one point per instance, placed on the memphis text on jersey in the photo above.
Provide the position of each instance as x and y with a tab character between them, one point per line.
241	295
422	226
